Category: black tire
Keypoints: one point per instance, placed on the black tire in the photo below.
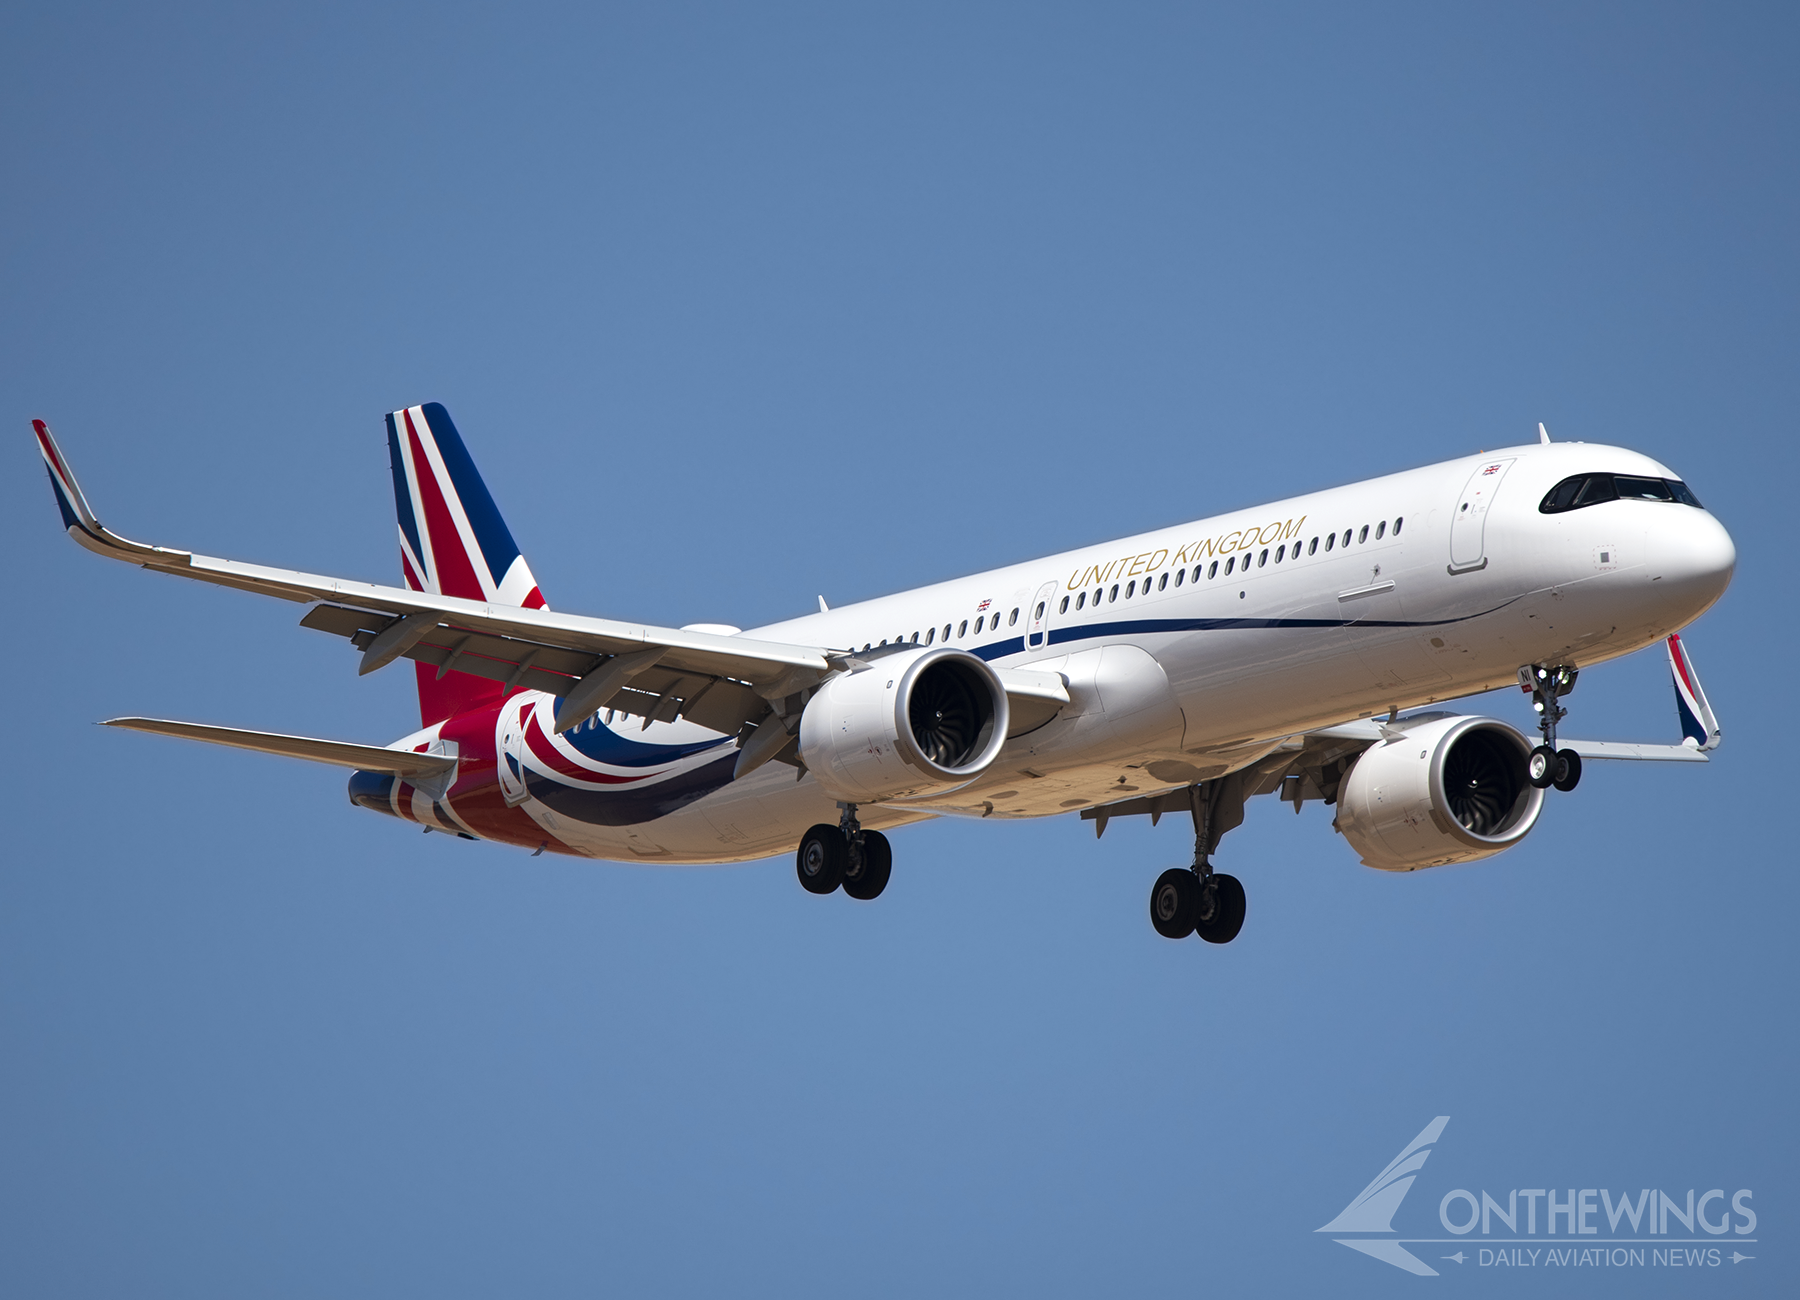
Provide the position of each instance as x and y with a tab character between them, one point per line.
820	860
1541	767
1172	903
1226	905
877	866
1568	774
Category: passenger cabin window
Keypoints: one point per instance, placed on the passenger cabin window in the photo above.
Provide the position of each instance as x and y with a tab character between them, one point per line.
1113	594
1279	552
1363	536
930	635
1198	567
1313	549
1179	575
1064	607
1163	584
1331	541
1212	572
1130	588
1263	558
1397	524
1080	599
963	630
1040	610
1380	530
1347	534
1229	564
1013	618
946	631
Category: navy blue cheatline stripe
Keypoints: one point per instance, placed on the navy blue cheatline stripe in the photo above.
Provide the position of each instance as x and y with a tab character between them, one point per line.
491	532
999	649
403	495
1144	626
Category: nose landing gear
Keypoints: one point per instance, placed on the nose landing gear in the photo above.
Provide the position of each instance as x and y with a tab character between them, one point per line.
1547	765
1197	899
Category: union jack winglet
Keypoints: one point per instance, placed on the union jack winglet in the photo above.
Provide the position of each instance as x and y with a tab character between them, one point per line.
76	515
1699	728
452	539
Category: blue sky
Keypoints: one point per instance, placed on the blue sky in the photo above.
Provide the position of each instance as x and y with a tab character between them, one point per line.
738	305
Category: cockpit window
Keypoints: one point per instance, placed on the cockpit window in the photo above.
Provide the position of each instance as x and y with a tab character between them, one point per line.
1592	489
1642	489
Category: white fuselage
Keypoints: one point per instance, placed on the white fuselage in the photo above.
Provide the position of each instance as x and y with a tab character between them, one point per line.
1191	651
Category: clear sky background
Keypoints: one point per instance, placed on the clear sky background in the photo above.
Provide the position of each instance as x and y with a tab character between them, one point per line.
736	305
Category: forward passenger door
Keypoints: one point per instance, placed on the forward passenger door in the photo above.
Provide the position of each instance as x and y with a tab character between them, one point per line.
1468	526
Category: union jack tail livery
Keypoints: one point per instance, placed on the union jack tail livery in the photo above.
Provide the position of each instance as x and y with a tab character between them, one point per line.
453	542
1699	728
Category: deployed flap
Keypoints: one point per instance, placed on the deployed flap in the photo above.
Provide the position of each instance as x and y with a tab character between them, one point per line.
368	758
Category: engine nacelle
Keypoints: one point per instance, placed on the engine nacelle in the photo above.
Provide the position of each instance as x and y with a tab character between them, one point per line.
918	722
1453	791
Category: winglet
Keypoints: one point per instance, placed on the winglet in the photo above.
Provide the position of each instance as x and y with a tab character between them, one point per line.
1699	728
75	511
78	516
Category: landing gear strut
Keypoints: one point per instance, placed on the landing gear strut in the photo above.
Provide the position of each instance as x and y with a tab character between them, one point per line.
861	861
1547	765
1197	899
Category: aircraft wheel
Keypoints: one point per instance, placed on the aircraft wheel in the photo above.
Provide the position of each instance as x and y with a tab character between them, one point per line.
821	859
1172	903
1541	767
1568	770
877	866
1219	910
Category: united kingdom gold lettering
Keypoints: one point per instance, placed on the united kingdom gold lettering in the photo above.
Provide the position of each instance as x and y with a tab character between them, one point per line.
1147	562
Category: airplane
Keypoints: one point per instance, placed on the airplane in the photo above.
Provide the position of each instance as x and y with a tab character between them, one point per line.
1292	649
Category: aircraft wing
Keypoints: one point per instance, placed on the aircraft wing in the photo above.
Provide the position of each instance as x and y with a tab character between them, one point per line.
719	682
1302	767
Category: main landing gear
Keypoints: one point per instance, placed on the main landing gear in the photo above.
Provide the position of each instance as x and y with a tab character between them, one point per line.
861	861
1197	899
1547	765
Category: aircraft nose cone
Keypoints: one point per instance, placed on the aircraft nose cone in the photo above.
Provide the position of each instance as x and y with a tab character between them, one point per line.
1694	560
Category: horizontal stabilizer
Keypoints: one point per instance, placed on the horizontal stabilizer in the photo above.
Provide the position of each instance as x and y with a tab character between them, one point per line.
368	758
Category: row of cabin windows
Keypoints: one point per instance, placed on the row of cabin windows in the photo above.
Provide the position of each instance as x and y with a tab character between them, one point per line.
990	621
1235	562
1133	588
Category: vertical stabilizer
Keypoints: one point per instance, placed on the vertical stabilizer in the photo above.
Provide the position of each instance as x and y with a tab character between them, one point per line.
453	542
